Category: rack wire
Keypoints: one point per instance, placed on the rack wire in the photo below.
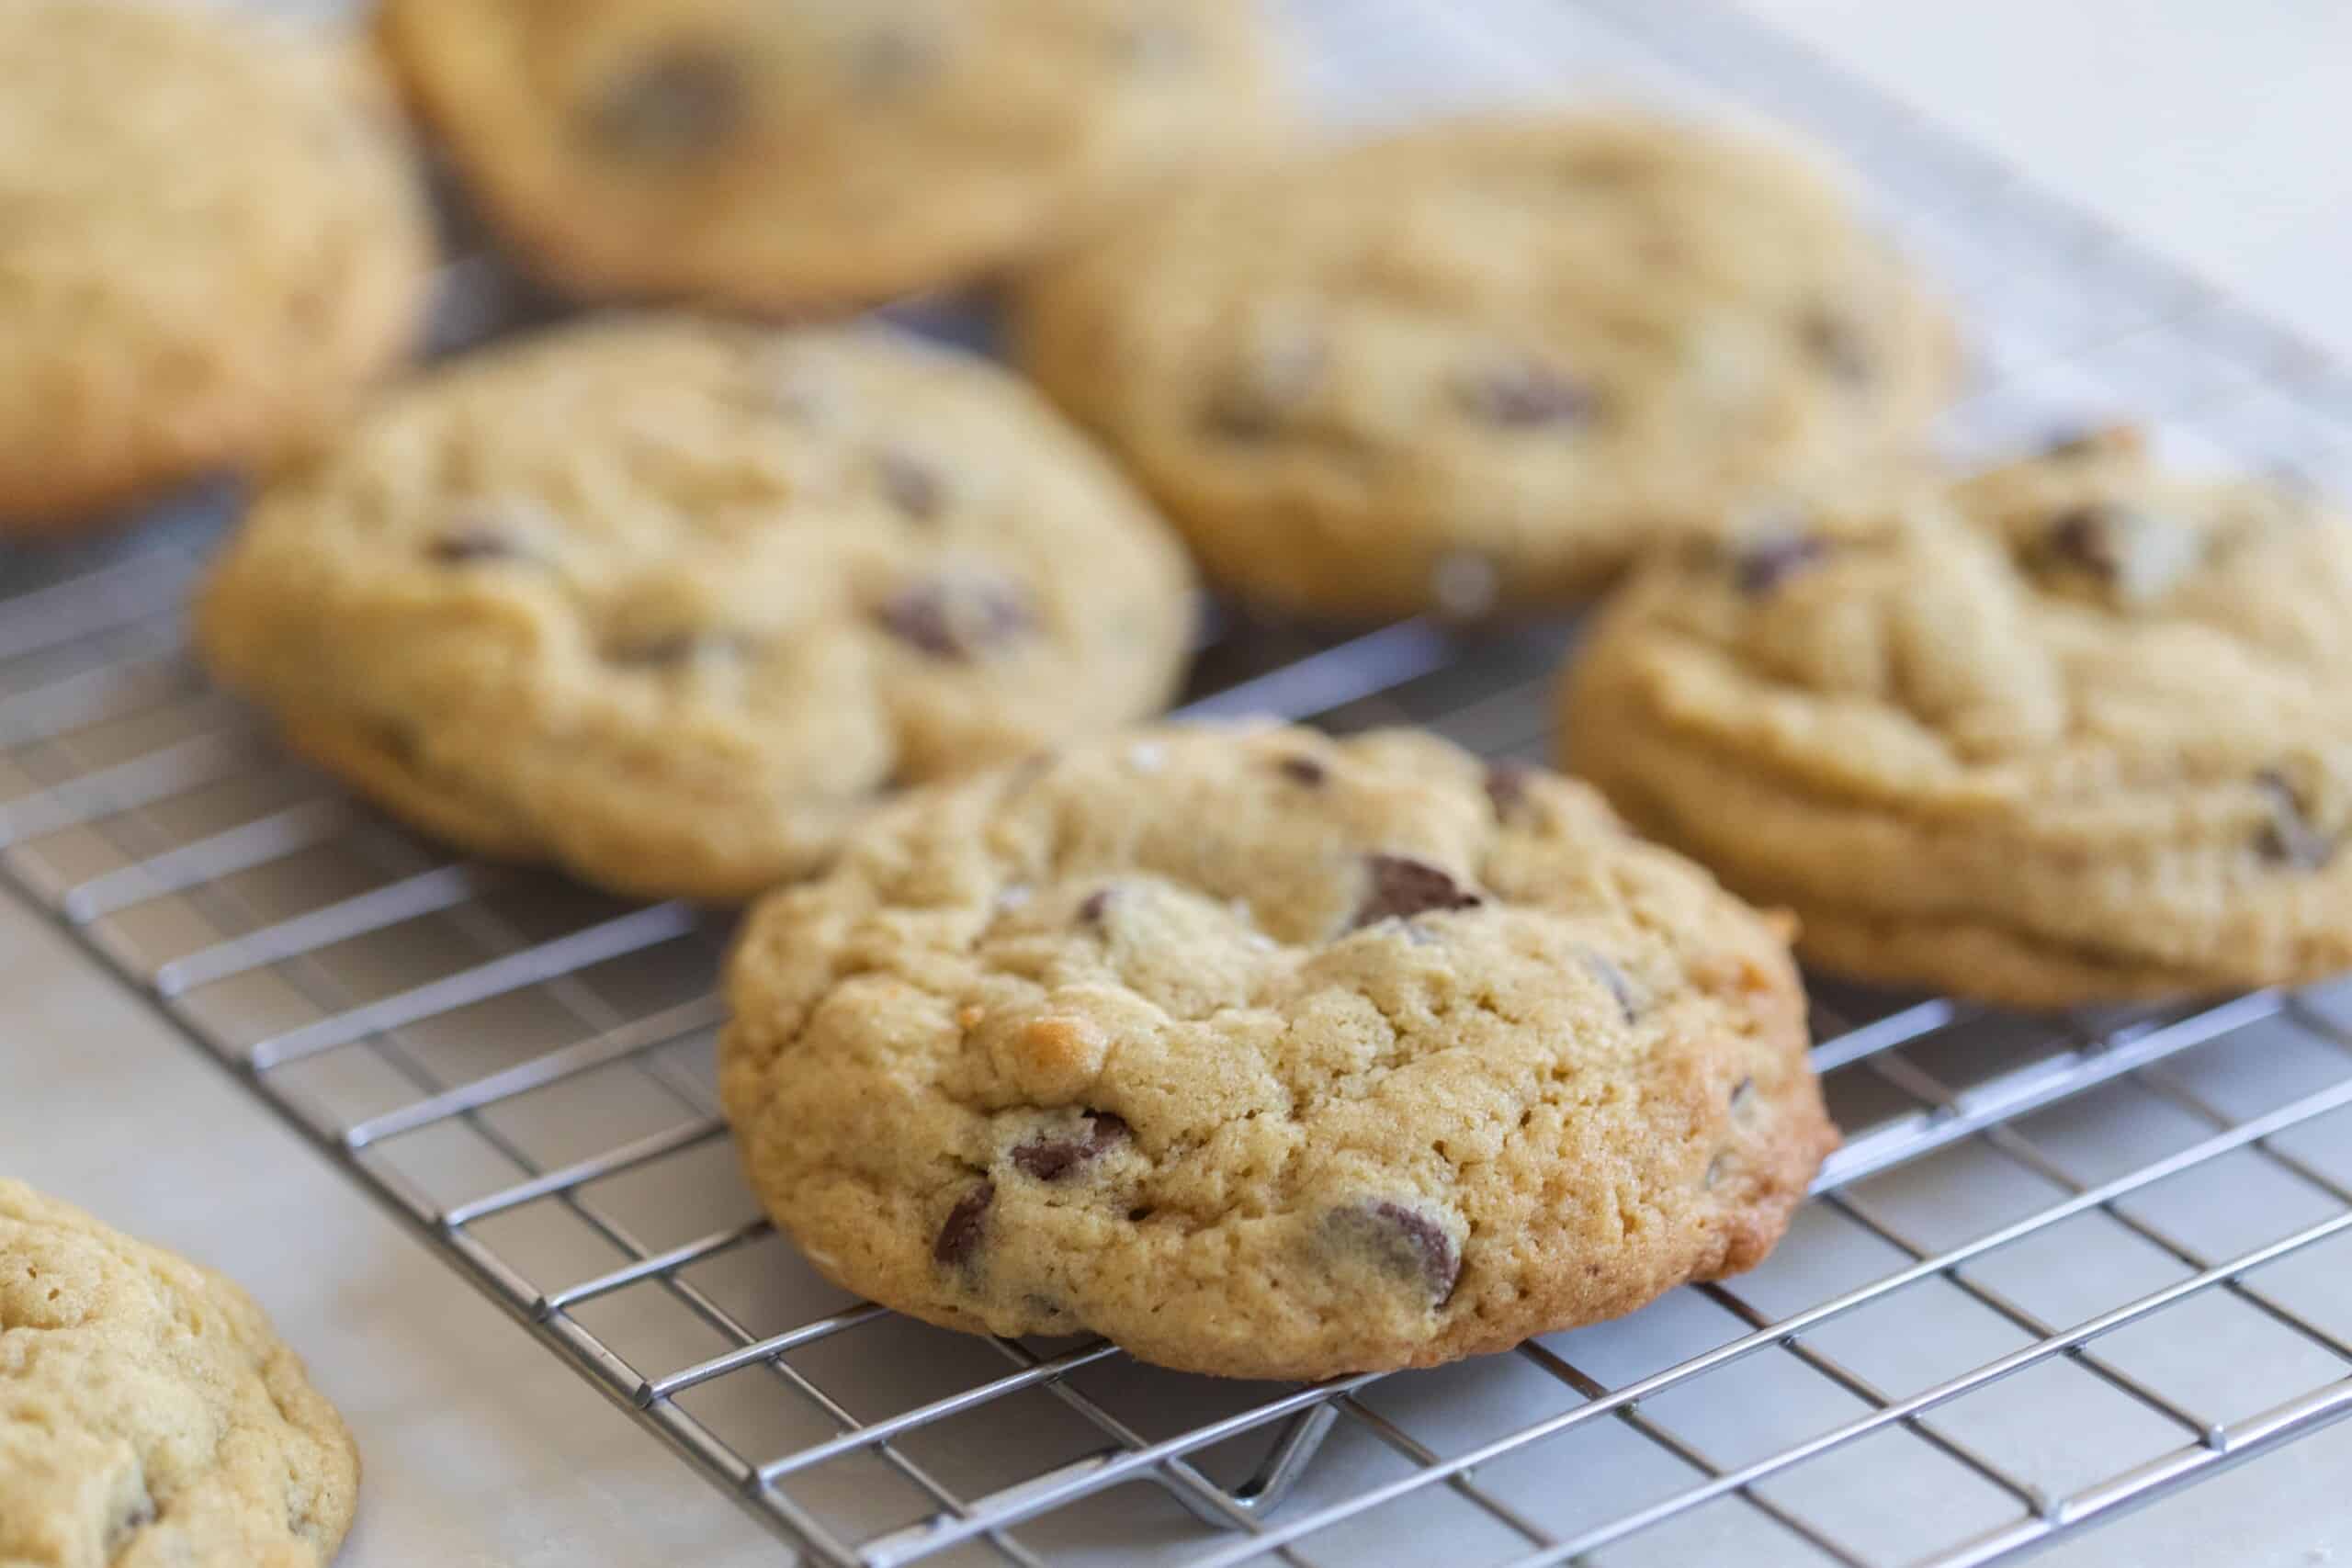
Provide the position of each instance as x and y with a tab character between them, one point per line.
2063	1265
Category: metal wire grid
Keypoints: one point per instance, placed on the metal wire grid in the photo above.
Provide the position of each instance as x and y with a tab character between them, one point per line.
2062	1266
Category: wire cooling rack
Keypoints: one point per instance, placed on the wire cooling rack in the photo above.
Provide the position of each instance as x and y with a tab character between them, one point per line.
2062	1265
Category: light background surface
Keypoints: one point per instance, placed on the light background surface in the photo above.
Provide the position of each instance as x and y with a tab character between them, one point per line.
2214	132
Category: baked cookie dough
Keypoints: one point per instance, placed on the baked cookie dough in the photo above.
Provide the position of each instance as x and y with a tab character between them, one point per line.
670	601
148	1415
2075	730
1479	365
211	242
790	155
1268	1054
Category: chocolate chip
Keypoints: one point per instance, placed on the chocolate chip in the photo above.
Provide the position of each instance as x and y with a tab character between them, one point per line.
473	543
2082	538
2138	554
1403	888
1304	770
957	619
1618	986
680	105
1050	1159
912	485
960	1236
1524	395
2289	838
1097	905
1762	565
1506	785
1841	345
1139	1213
1402	1241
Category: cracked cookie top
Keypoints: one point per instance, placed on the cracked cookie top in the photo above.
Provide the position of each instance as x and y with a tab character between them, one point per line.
2100	712
1268	1054
148	1415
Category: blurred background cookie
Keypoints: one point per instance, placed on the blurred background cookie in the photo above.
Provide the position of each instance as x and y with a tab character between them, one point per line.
211	240
2079	730
1481	363
790	155
667	601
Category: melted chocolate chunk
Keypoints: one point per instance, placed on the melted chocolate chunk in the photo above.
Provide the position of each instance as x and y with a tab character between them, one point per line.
1304	770
1526	395
959	1238
1401	1241
1097	905
1763	565
474	543
1402	887
680	105
2137	554
912	485
2291	838
1506	785
957	619
1050	1159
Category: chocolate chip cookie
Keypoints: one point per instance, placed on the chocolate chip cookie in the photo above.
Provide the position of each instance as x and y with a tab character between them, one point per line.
1267	1055
787	157
2076	730
211	240
147	1412
670	601
1478	364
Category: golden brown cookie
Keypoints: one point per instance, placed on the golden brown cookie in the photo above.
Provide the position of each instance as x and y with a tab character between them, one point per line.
790	155
671	601
1480	363
211	241
148	1414
1267	1055
2075	730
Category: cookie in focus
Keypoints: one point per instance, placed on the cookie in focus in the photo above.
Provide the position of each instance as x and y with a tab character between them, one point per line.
1266	1055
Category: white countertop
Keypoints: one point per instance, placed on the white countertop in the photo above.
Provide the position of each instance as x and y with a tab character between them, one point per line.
2215	132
